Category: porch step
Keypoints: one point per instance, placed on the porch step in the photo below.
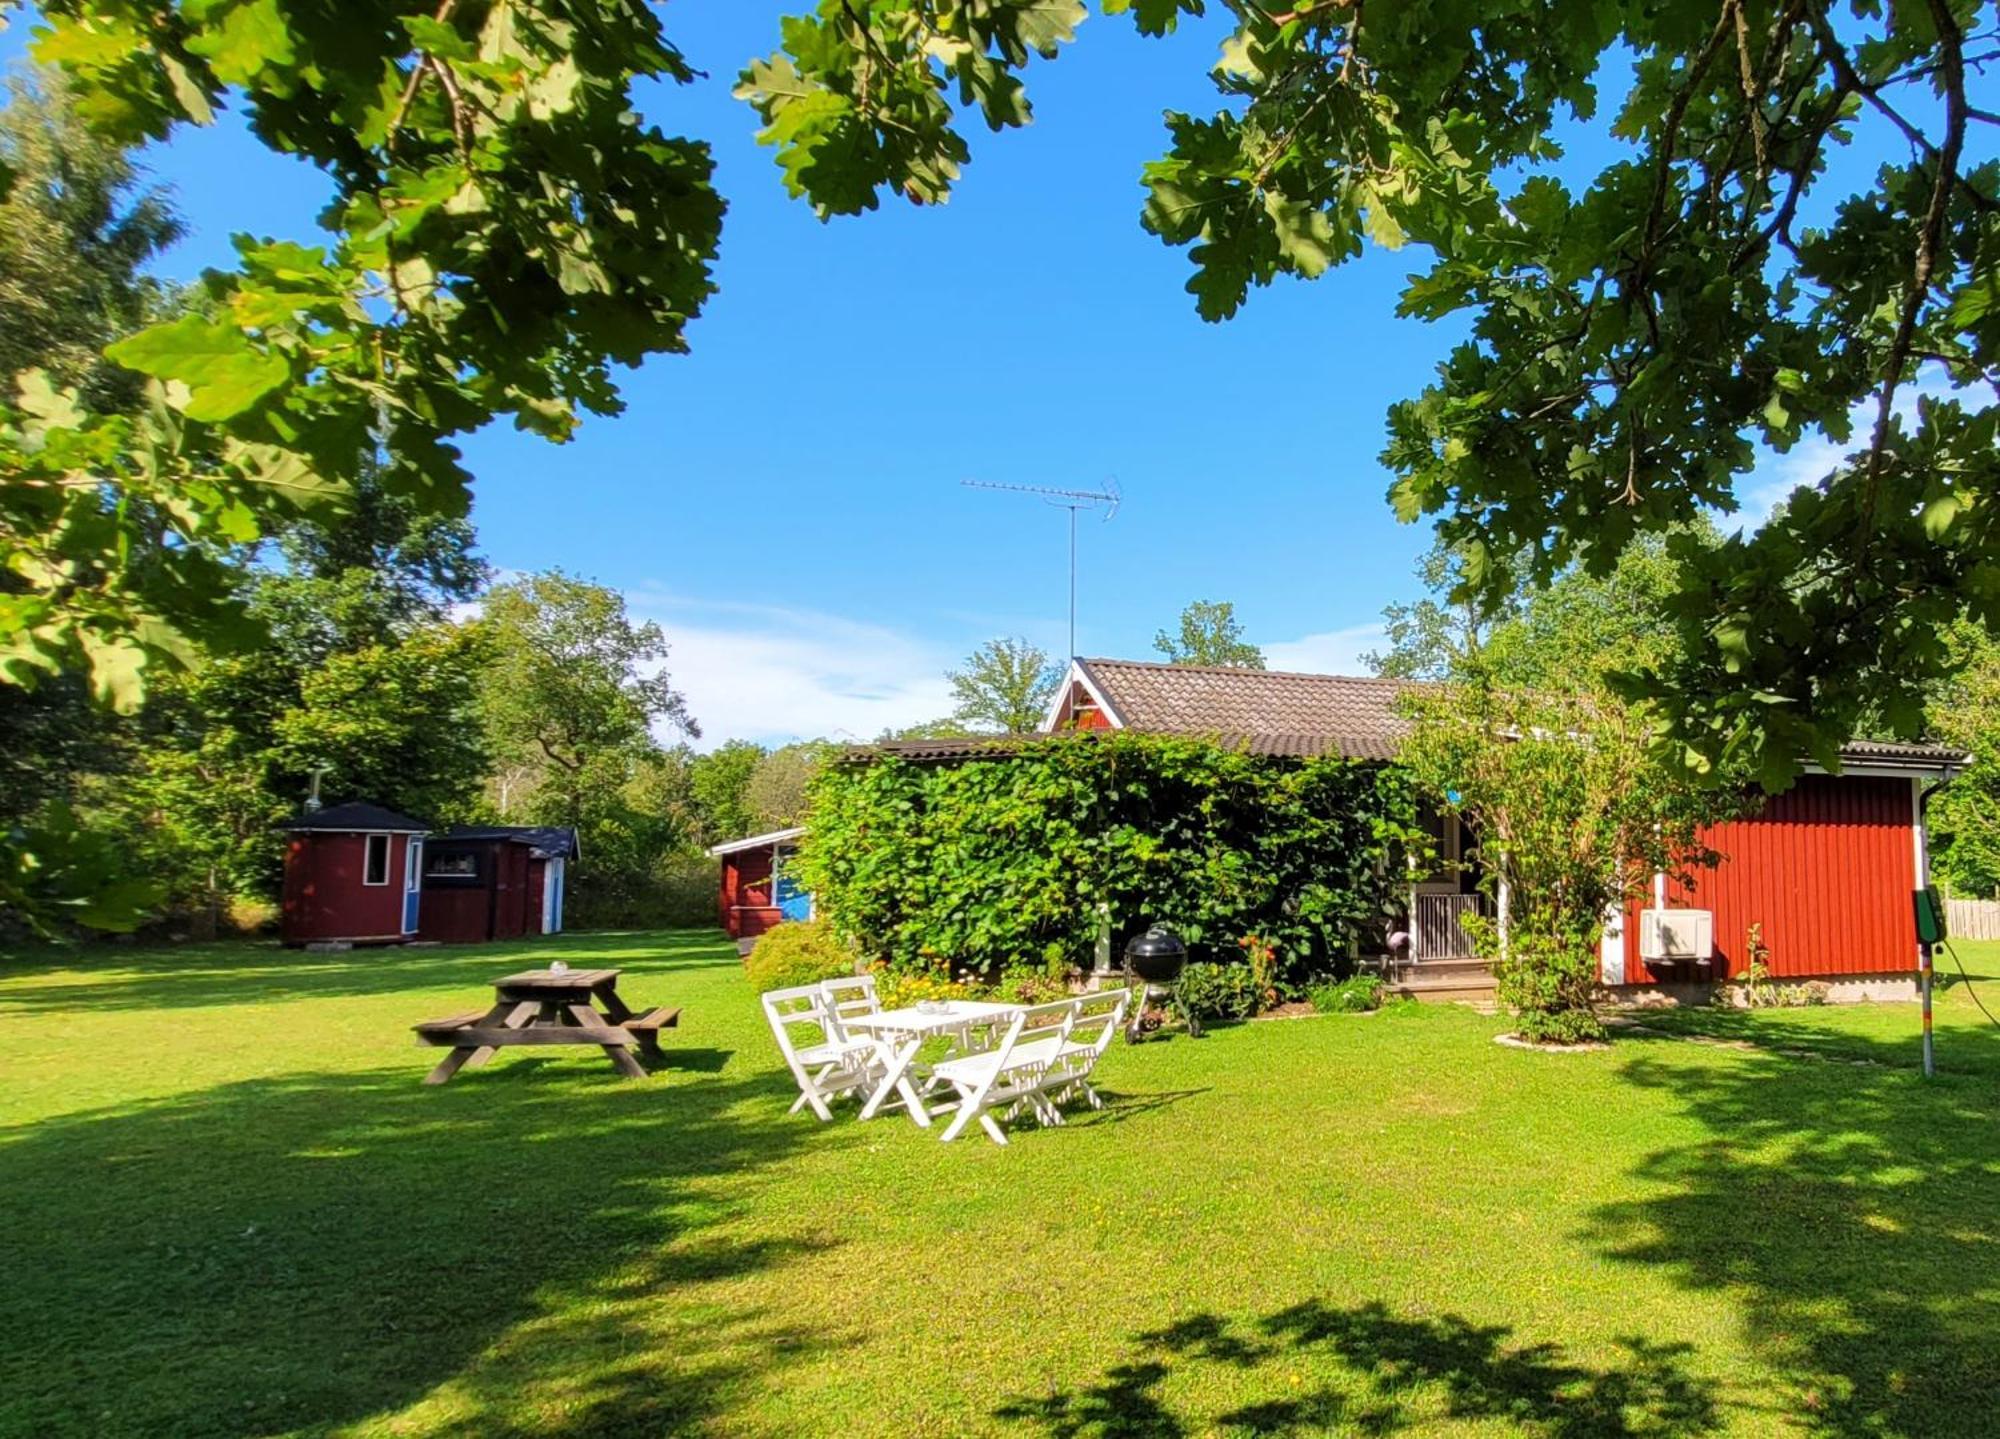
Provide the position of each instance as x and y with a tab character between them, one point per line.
1444	981
1427	969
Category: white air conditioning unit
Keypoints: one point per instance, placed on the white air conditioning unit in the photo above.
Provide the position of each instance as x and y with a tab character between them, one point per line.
1671	934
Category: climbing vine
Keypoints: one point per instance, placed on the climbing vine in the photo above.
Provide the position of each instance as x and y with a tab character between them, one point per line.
1014	861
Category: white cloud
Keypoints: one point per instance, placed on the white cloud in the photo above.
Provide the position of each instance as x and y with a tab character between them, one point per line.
1331	652
773	675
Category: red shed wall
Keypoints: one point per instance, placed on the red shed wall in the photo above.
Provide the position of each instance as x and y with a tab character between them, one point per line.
324	897
461	913
1827	868
746	898
510	898
538	870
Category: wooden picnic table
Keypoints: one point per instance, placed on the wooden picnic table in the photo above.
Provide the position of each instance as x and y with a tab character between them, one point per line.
544	1006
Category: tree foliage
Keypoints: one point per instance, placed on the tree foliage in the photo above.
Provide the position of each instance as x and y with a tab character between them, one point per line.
1209	634
1005	688
778	794
503	230
1728	277
77	229
575	690
1575	815
1965	815
363	680
1002	863
1579	629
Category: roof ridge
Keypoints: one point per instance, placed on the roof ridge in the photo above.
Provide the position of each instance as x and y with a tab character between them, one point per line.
1237	670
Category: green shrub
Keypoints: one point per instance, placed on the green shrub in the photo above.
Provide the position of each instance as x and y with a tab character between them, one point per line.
676	891
1559	1026
803	952
1219	991
981	864
1356	994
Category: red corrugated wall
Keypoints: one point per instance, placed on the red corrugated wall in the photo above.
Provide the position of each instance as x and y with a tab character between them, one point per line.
1827	868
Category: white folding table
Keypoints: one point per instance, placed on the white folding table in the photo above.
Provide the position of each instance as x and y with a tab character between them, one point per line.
900	1033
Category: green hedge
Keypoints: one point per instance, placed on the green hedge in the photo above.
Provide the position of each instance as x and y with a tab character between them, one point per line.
996	865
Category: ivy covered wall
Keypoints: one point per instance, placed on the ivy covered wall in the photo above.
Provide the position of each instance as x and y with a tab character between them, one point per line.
1000	863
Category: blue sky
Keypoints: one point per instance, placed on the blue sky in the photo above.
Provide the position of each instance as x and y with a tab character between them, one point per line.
786	500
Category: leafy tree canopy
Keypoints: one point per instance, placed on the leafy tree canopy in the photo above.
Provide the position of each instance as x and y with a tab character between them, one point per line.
576	688
1574	633
720	781
77	227
503	230
1727	278
1209	635
1005	687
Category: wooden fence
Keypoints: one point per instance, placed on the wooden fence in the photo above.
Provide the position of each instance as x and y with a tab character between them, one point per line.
1972	918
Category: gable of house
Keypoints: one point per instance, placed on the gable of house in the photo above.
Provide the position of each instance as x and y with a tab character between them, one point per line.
1262	711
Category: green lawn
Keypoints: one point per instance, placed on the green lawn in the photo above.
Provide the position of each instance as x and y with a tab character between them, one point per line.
231	1208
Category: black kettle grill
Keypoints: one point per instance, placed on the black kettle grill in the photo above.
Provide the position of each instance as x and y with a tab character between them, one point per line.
1154	962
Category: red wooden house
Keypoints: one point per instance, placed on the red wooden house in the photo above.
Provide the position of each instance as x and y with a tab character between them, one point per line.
1824	871
758	889
351	876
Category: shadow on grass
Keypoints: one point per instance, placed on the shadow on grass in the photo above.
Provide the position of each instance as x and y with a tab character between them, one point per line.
105	976
1365	1370
326	1249
1851	1211
1121	1105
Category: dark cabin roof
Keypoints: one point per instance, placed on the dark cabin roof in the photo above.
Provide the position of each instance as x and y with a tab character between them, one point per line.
357	817
554	840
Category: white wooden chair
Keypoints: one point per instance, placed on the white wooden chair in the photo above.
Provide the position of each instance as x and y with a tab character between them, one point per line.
1098	1019
848	996
828	1064
1010	1072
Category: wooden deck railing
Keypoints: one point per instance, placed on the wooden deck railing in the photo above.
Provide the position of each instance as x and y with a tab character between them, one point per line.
1437	928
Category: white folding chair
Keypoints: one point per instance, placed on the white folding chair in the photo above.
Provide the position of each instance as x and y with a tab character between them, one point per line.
829	1063
1009	1074
1098	1019
847	997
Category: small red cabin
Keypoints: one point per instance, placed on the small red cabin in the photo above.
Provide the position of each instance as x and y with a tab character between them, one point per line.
352	876
759	886
495	882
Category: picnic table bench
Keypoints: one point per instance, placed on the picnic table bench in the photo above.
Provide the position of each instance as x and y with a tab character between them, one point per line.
546	1006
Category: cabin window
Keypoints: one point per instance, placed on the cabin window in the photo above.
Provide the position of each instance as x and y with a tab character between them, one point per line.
375	865
453	865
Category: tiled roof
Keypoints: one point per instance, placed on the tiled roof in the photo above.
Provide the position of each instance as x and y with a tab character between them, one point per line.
1264	711
1275	713
1916	756
969	747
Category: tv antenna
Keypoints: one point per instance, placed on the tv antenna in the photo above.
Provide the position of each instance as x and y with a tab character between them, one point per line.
1106	499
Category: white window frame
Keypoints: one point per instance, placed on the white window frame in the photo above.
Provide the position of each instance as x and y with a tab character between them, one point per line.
388	853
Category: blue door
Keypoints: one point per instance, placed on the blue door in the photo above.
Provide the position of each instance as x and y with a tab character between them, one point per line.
413	882
786	892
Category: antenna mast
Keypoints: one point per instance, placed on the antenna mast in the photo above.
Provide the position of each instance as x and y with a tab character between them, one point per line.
1106	499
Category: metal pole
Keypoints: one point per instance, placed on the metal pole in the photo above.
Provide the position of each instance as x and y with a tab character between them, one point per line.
1924	969
1073	582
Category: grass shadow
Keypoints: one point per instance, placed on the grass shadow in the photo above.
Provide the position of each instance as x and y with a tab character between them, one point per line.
109	976
376	1243
1365	1370
1850	1208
